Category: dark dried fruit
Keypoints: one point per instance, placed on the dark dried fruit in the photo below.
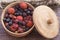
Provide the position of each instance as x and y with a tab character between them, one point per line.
26	29
20	22
25	10
29	17
15	21
10	23
24	14
16	14
8	19
28	12
30	9
8	27
24	23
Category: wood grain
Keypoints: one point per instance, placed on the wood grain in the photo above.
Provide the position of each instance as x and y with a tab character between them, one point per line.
34	35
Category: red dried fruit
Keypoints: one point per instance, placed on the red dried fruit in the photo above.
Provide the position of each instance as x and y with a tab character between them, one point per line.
14	27
23	5
29	18
20	30
11	10
10	15
26	21
16	21
20	18
14	17
29	24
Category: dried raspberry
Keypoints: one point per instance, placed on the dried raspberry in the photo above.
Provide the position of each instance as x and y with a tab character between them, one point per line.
23	5
20	18
29	24
14	27
11	10
20	30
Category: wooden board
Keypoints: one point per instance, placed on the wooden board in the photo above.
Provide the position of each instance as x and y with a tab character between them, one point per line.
34	35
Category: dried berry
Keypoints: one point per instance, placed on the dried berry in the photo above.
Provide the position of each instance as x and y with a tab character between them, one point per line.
20	30
20	22
30	9
10	23
23	5
24	14
20	18
29	24
16	14
11	10
15	21
8	19
28	12
14	27
8	27
24	23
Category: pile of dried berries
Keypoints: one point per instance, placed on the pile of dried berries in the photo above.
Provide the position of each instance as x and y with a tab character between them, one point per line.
19	18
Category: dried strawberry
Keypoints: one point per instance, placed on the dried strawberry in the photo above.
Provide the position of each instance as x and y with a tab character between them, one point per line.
14	27
20	18
29	24
11	10
23	5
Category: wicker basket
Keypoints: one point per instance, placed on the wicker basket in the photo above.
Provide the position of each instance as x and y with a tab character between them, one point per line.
9	32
